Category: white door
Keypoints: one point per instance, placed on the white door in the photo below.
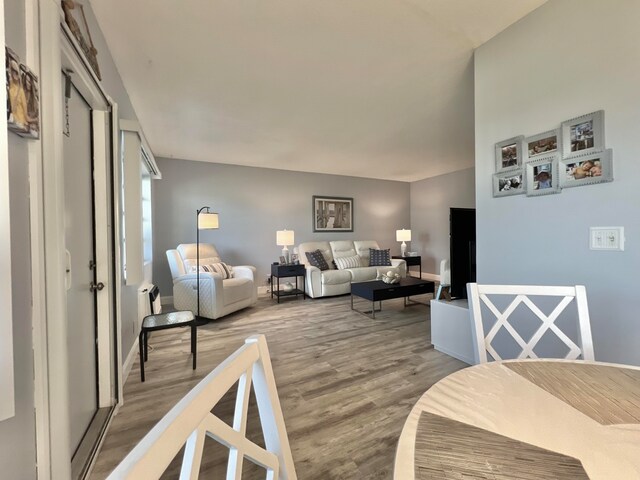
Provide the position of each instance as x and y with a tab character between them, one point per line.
81	261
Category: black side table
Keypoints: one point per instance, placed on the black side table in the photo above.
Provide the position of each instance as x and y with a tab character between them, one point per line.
411	262
283	271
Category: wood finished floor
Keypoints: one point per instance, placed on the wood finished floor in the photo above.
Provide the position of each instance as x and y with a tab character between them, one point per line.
346	383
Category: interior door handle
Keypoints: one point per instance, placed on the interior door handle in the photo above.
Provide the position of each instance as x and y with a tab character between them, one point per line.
96	286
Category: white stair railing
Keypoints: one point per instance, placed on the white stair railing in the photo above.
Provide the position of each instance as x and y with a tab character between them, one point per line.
191	419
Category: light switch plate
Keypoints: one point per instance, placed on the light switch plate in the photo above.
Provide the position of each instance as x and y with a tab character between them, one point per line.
606	238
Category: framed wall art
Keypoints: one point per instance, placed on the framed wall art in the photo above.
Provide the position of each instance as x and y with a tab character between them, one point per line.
509	153
596	167
332	214
76	20
23	97
508	183
584	134
542	175
542	144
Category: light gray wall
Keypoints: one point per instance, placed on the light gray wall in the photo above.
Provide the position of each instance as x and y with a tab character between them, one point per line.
431	200
567	58
112	83
17	434
254	203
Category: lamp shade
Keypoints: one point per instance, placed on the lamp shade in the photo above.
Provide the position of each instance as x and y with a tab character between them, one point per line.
207	221
403	235
284	238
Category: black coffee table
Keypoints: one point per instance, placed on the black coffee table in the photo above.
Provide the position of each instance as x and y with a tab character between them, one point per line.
377	290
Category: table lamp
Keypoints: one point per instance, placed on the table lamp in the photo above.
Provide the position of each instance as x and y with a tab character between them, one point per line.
205	220
284	238
403	236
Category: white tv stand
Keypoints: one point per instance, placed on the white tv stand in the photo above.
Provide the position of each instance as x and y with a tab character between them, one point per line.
451	329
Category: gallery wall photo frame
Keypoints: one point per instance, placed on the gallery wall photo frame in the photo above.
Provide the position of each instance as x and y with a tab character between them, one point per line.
583	134
509	182
332	214
509	153
542	176
23	102
587	169
542	144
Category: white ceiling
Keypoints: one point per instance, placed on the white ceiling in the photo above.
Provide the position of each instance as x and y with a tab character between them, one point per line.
370	88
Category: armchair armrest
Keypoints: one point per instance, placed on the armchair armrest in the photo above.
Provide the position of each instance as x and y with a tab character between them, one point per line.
314	281
185	292
245	271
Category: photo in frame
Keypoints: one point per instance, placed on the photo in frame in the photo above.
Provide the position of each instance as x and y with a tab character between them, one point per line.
582	135
23	97
76	20
283	260
542	176
544	143
596	167
508	183
332	214
509	153
294	259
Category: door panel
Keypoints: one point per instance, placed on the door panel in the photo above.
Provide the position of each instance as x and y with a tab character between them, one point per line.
80	244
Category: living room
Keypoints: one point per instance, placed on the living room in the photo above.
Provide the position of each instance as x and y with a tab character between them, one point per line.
563	60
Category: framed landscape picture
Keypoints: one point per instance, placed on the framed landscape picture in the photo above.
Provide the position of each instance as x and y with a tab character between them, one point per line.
332	214
587	169
508	183
542	176
583	134
542	143
509	153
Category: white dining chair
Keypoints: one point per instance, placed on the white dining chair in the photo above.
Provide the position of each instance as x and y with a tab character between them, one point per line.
480	295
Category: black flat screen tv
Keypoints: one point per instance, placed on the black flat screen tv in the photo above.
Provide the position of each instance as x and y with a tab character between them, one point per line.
462	244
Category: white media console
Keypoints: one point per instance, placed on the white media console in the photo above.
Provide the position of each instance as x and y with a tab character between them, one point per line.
451	329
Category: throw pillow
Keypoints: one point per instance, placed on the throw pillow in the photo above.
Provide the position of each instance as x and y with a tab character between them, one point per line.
225	271
379	258
316	259
347	262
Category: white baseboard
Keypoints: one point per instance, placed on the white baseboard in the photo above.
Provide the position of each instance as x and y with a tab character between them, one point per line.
432	277
263	290
451	353
128	363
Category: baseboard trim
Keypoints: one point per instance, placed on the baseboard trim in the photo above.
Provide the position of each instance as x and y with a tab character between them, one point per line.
462	358
128	363
432	277
263	290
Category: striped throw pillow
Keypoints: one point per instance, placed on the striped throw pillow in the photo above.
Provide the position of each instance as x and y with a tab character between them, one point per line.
347	262
225	271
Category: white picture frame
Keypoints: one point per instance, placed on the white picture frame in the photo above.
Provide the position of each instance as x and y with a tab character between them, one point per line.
600	169
542	144
541	176
509	154
583	134
510	182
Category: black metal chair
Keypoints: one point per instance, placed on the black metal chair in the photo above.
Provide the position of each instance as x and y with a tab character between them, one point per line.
163	321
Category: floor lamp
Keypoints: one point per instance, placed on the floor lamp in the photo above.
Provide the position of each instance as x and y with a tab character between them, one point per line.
205	220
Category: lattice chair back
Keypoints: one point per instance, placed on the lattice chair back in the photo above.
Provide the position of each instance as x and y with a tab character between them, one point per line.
191	419
480	295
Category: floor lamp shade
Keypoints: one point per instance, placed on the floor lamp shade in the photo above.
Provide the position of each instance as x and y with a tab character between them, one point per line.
285	238
208	221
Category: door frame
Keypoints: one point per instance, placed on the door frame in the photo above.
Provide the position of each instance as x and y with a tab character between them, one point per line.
59	50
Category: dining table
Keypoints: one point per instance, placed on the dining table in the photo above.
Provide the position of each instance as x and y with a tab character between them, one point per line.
528	419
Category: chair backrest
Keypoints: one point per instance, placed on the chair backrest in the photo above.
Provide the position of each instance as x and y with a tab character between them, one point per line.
191	420
480	295
188	253
445	273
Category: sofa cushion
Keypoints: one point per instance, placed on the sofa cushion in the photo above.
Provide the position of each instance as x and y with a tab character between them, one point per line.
362	248
316	259
336	277
347	262
379	257
363	274
237	289
324	247
342	248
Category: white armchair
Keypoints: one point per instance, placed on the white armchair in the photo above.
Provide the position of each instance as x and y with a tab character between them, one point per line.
218	296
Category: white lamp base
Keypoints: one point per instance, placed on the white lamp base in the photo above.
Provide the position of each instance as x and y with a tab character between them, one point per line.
403	249
285	254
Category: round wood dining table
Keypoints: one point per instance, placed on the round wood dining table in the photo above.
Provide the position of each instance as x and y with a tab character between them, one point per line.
526	420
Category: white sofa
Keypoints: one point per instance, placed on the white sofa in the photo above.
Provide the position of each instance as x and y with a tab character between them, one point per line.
338	282
218	297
